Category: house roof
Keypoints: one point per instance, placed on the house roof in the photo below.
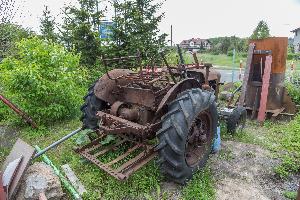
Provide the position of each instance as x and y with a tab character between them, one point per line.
293	31
195	40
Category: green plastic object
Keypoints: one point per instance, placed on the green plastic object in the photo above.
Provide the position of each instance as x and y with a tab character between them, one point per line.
68	186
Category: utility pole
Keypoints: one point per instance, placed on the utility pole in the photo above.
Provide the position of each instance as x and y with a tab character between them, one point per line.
171	35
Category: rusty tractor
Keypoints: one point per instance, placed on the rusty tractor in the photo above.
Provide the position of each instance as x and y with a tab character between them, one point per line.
169	111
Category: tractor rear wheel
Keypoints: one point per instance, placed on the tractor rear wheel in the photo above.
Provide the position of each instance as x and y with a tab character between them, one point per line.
89	109
187	134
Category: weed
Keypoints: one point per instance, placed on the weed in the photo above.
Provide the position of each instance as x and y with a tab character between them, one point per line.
287	148
159	195
201	187
290	195
226	155
250	154
3	153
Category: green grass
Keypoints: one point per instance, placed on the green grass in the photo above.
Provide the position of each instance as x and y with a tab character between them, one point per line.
201	187
286	140
222	61
290	195
100	185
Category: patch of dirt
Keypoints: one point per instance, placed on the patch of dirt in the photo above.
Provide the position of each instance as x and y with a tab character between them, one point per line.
7	136
172	190
245	171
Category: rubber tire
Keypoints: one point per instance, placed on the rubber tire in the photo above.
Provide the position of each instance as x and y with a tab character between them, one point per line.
89	109
174	133
234	118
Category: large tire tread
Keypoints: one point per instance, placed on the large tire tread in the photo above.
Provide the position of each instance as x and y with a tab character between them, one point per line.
173	134
89	109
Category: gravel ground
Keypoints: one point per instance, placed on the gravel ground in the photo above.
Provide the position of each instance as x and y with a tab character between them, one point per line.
245	171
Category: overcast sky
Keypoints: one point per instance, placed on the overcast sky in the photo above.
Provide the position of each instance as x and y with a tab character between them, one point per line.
197	18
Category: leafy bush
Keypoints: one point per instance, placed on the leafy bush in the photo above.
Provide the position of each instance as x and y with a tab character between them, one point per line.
230	53
44	80
293	88
293	56
243	54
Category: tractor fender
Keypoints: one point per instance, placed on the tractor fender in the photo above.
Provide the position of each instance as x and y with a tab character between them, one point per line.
213	75
174	91
106	87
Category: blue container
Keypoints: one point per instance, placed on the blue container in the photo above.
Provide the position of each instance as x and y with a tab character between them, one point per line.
217	142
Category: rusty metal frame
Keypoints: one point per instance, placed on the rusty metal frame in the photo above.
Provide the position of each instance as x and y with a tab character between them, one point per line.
111	124
125	169
120	59
17	110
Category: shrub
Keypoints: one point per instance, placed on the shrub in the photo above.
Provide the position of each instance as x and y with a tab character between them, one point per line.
243	54
291	56
293	88
44	80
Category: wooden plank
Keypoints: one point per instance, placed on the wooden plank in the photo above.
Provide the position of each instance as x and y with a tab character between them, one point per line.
2	192
277	112
246	75
42	196
265	90
73	179
298	196
19	149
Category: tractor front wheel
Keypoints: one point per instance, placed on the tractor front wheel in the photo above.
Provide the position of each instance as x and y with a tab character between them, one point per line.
89	109
187	134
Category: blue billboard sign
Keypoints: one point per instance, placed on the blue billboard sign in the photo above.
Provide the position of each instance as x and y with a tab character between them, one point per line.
105	29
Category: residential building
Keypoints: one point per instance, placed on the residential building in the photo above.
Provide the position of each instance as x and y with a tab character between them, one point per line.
195	44
296	42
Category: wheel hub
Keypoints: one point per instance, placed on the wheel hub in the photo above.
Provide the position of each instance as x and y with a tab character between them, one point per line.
199	138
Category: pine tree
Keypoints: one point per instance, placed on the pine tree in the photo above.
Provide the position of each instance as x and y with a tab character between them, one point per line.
80	30
261	31
8	10
136	28
47	26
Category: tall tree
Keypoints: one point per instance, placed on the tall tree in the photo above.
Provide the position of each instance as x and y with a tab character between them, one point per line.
48	25
136	28
261	31
8	10
9	32
9	35
80	30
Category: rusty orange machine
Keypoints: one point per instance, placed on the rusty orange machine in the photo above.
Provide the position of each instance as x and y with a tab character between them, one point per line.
263	92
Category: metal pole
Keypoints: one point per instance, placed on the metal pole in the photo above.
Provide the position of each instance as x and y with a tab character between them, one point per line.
233	61
18	111
65	182
57	143
171	35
